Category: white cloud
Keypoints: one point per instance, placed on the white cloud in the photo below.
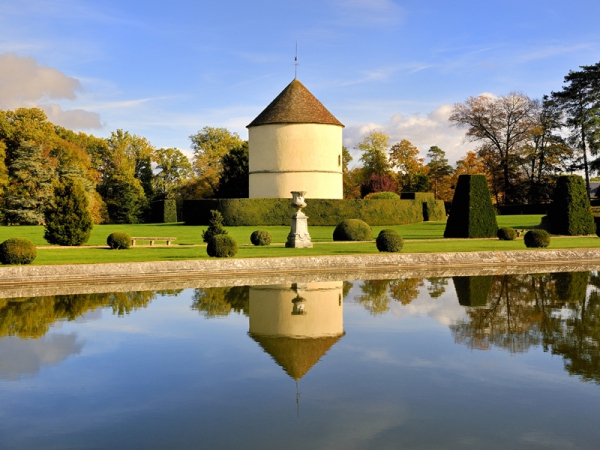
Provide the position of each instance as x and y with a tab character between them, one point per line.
423	131
24	83
19	357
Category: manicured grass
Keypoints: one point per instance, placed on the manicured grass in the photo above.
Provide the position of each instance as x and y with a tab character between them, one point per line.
137	254
188	235
425	237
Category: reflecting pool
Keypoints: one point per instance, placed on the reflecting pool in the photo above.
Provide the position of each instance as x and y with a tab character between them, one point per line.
498	361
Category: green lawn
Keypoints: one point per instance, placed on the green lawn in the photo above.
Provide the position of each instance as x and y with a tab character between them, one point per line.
425	237
188	235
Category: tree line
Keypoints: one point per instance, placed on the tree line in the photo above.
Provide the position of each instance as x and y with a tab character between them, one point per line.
523	144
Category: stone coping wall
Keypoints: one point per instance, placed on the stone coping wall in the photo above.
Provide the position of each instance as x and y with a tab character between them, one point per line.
23	281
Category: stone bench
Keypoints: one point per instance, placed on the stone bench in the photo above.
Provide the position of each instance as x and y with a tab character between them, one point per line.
152	239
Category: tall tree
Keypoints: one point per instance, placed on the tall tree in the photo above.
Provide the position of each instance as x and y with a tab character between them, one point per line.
234	181
411	172
173	170
502	124
209	146
30	186
579	100
439	169
374	148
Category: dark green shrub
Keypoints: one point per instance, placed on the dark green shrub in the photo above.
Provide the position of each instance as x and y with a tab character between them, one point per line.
17	251
507	234
222	246
215	227
570	212
260	237
473	291
118	240
68	218
597	222
389	241
537	239
352	230
472	214
381	195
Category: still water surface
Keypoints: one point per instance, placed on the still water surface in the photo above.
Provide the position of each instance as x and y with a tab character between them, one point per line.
508	361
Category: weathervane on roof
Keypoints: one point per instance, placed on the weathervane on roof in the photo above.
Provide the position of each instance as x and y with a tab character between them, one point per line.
296	64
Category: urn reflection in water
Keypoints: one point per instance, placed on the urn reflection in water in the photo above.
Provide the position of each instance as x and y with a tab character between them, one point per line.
299	237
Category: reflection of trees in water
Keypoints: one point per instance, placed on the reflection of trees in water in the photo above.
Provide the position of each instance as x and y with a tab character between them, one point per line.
377	294
436	286
32	317
551	310
220	302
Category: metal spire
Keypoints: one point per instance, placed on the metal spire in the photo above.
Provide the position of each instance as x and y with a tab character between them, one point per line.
296	64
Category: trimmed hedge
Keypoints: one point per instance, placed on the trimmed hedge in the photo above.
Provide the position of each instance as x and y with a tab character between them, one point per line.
537	239
118	240
260	237
222	246
472	214
570	212
381	195
215	226
163	211
507	234
321	212
389	241
473	291
17	251
353	230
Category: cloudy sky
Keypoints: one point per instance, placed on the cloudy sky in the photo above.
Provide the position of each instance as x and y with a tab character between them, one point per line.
165	69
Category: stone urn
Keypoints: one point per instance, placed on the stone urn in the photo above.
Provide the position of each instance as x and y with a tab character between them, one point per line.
299	237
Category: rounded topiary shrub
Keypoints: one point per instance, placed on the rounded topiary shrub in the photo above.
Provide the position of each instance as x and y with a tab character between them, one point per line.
17	251
352	230
382	195
537	238
260	237
222	246
507	234
389	241
118	240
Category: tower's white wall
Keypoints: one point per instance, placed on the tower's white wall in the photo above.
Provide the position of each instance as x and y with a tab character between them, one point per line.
295	157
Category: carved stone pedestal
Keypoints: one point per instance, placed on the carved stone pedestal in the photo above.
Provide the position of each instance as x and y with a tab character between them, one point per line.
299	237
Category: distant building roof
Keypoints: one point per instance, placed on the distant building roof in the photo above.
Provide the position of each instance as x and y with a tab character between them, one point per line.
295	104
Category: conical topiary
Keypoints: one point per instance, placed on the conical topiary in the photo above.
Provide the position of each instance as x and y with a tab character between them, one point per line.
570	212
472	213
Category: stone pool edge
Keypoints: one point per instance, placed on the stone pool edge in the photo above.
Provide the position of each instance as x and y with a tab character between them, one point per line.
219	268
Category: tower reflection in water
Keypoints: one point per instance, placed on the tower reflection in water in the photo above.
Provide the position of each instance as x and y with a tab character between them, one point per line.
297	324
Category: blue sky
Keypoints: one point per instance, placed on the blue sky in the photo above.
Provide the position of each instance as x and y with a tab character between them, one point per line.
164	70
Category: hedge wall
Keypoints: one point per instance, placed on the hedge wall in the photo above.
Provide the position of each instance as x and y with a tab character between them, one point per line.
472	214
472	291
570	212
277	211
163	211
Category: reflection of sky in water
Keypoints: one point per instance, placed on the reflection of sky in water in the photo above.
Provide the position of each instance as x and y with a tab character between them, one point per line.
165	377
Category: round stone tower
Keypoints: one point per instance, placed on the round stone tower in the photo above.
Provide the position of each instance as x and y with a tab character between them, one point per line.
295	144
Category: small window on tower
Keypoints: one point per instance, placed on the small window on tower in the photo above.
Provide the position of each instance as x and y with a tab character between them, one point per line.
339	160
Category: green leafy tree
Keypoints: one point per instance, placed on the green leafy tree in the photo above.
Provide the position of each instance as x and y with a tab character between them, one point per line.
579	101
234	181
30	186
68	219
209	146
439	169
174	168
374	148
411	172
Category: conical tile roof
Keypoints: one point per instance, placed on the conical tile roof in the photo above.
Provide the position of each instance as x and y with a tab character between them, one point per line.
295	356
295	104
